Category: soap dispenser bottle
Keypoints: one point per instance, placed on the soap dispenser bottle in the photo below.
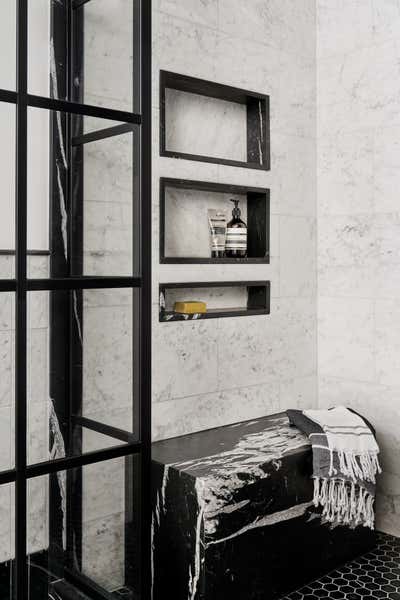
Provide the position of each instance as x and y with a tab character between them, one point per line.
236	234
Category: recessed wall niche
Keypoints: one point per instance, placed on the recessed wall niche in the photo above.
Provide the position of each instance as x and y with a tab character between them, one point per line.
223	299
210	122
184	228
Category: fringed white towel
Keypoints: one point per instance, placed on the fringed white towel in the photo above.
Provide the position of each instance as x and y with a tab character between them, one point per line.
345	464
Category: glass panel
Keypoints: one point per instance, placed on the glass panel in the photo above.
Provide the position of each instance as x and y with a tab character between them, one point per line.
7	379
7	190
100	530
8	26
90	223
80	362
7	541
105	45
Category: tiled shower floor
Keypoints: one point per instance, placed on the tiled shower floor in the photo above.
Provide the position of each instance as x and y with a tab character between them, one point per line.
375	575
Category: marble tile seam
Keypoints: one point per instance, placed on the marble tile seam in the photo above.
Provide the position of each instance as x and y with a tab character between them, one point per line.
370	383
236	389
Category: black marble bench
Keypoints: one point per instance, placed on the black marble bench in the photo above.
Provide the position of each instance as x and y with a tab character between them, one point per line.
233	515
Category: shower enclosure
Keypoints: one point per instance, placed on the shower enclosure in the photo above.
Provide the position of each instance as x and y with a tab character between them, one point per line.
75	299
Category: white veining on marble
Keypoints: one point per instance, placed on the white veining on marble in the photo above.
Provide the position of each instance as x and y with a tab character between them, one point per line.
250	455
194	574
54	83
77	319
58	451
284	515
64	215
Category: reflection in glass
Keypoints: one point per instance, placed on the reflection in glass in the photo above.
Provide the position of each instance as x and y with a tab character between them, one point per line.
86	225
8	25
7	541
7	190
106	65
80	525
80	364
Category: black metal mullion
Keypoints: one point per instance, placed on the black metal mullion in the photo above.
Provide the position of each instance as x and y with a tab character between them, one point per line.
145	317
89	458
21	573
87	110
8	96
104	429
102	134
8	285
82	283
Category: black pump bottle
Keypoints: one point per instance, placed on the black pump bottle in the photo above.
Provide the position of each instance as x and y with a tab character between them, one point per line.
236	234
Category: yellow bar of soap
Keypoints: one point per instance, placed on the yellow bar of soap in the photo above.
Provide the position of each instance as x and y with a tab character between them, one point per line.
190	308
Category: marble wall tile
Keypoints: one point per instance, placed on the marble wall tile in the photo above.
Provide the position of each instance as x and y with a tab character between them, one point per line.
300	392
387	323
342	30
388	504
280	23
346	338
347	240
103	490
38	432
297	256
38	366
7	437
386	149
7	549
297	337
107	357
351	281
240	339
185	359
108	62
103	550
194	413
170	36
6	368
7	266
7	311
385	20
204	12
295	194
38	514
346	173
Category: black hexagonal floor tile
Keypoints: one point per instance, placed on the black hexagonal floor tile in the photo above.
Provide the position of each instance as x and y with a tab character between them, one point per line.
375	576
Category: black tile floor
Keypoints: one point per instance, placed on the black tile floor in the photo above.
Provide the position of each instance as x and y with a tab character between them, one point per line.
375	575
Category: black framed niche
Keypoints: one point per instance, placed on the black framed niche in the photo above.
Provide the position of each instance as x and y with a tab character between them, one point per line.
211	122
184	229
223	299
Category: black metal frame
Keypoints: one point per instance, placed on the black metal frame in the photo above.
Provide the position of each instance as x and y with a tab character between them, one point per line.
139	449
257	119
258	300
258	220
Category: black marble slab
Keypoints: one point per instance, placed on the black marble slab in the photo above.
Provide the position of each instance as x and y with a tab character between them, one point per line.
233	515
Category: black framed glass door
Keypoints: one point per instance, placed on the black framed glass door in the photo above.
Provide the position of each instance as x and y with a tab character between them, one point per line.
75	299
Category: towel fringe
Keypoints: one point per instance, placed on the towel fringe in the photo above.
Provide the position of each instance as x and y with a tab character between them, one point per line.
357	466
344	502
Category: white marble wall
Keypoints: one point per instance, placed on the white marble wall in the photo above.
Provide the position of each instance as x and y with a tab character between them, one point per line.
358	164
219	371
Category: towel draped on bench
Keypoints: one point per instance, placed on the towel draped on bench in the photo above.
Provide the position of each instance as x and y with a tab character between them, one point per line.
345	463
